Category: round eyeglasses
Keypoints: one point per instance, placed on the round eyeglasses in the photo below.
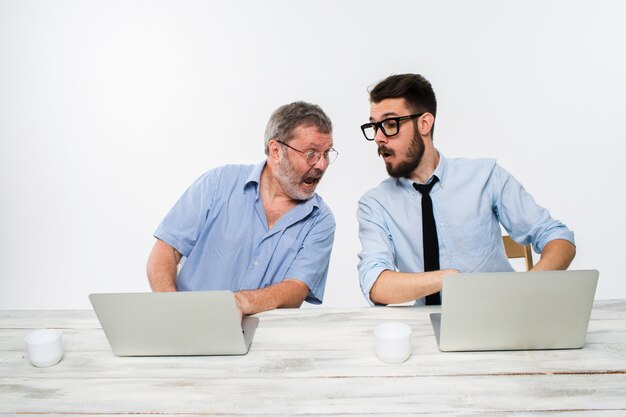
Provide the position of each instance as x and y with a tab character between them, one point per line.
313	157
390	126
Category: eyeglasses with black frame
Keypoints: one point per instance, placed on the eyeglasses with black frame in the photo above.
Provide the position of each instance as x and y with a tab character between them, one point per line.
313	157
390	126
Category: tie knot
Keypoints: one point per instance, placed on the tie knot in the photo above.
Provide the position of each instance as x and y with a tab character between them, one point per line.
425	188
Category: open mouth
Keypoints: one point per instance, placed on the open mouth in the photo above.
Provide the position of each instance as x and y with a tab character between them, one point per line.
311	181
312	178
385	153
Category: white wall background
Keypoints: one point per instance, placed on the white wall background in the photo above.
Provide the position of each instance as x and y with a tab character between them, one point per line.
110	109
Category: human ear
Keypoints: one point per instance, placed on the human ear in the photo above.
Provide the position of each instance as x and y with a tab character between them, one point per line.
425	124
273	150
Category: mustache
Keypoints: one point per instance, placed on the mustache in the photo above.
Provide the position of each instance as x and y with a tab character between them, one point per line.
382	149
313	173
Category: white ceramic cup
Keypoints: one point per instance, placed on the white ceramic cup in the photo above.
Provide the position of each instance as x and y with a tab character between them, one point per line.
393	342
44	347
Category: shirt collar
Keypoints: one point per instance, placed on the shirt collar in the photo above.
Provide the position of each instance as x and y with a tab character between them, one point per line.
255	175
440	172
254	179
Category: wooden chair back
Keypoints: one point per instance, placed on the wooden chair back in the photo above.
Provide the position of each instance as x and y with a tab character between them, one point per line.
515	250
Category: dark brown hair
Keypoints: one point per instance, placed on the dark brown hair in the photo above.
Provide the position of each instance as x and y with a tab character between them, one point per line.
413	88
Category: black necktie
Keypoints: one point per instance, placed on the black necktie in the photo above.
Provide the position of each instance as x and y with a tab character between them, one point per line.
429	236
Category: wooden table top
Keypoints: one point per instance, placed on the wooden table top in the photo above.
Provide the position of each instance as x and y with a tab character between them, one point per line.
315	361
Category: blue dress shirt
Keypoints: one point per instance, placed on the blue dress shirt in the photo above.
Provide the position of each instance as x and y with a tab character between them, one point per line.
470	201
220	227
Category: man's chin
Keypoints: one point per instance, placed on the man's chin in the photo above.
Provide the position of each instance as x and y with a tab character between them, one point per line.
302	197
392	172
303	194
399	171
307	194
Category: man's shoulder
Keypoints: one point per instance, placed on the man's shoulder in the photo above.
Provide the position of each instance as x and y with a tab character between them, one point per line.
471	163
388	188
222	180
231	169
231	173
468	170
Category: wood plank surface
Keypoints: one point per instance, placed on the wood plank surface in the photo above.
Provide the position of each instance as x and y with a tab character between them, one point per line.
314	361
318	395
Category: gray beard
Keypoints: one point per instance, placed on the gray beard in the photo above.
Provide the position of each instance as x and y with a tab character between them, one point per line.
289	182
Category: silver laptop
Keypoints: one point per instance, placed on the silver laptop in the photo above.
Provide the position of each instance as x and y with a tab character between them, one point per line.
515	310
174	323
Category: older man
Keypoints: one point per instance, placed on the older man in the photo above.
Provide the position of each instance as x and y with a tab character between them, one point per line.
437	215
260	230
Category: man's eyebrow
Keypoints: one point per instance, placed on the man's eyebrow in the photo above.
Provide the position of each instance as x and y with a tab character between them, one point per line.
386	115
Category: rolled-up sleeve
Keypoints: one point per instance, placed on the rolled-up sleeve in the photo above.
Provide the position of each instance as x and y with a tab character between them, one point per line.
377	253
524	219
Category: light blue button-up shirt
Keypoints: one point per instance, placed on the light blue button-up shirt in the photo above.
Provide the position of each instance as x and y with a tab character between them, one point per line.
220	227
470	201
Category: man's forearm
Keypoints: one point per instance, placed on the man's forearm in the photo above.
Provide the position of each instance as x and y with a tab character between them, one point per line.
162	281
287	294
393	287
163	267
557	254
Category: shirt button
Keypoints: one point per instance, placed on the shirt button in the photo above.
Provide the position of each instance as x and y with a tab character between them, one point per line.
256	263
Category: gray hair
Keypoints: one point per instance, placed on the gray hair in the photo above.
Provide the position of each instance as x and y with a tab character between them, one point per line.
286	119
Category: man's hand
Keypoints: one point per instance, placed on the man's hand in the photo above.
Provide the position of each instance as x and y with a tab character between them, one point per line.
287	294
241	304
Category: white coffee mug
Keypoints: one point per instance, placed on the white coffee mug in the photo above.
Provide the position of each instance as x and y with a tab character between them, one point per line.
393	342
44	347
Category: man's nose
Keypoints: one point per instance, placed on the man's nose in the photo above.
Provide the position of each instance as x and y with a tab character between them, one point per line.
380	137
322	163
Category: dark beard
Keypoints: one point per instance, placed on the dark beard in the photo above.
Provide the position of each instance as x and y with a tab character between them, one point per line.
404	168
